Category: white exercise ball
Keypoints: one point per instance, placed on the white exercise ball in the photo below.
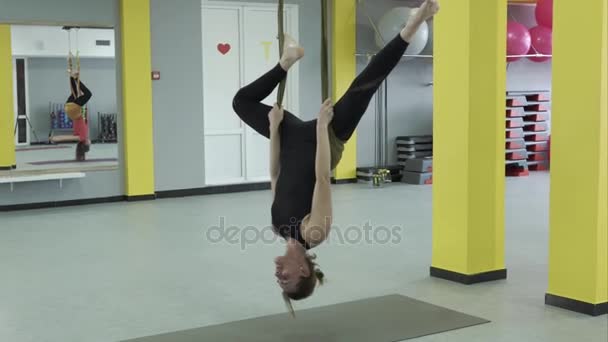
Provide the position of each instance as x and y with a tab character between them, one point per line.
393	21
428	50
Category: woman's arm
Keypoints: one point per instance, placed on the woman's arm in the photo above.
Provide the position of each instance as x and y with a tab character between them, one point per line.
86	93
275	151
275	117
316	226
74	87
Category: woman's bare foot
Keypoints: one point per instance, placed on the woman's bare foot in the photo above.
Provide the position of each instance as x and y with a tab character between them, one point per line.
292	52
428	9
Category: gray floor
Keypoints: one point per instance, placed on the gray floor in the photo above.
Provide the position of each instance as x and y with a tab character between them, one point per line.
125	270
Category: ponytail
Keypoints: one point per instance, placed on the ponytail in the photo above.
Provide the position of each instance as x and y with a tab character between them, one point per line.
320	276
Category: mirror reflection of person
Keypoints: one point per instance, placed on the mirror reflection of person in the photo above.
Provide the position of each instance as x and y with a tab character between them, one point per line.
73	108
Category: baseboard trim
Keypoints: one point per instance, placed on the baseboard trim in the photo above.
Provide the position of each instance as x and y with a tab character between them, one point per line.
57	204
576	305
344	181
210	190
468	279
140	198
159	195
213	190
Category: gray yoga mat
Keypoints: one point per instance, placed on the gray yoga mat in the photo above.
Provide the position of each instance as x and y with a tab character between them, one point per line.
384	319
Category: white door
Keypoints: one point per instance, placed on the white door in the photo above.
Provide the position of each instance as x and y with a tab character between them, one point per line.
239	45
261	54
222	79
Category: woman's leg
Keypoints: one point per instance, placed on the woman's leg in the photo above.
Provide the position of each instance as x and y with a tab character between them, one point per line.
86	95
349	110
247	101
351	107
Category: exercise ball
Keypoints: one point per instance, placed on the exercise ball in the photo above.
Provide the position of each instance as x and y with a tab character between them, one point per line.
544	13
518	40
393	21
542	41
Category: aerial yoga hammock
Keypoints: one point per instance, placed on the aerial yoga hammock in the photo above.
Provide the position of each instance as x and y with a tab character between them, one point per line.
303	153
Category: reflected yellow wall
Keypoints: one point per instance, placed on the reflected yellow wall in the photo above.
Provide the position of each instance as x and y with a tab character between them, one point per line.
7	115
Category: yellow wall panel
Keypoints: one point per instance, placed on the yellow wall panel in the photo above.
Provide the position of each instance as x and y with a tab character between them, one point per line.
137	98
344	69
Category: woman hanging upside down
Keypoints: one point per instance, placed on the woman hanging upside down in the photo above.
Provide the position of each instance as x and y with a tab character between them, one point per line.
303	153
73	108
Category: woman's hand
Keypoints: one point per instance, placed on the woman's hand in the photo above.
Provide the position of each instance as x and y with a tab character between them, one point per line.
275	116
326	114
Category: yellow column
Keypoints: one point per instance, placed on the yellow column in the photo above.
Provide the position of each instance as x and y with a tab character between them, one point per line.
469	141
7	115
344	69
137	99
578	240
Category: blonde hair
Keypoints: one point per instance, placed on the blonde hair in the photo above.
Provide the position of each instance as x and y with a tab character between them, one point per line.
73	110
306	286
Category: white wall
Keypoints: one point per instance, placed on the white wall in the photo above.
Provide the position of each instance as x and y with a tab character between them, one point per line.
52	41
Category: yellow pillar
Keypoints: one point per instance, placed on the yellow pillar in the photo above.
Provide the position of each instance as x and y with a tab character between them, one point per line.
7	115
344	69
469	141
137	99
578	240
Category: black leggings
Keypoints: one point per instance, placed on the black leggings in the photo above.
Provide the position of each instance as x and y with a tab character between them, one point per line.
81	99
347	111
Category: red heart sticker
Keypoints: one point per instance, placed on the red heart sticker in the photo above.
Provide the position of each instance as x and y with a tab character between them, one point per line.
223	48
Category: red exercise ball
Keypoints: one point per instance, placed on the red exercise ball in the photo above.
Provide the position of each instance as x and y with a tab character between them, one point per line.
542	41
544	13
518	40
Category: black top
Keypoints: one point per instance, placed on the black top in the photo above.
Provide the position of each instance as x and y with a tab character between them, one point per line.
296	182
295	186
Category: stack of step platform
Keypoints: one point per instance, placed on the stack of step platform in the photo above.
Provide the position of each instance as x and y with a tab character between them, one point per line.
366	174
536	127
527	116
415	155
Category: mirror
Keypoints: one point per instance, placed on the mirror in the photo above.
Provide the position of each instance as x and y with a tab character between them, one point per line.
64	86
